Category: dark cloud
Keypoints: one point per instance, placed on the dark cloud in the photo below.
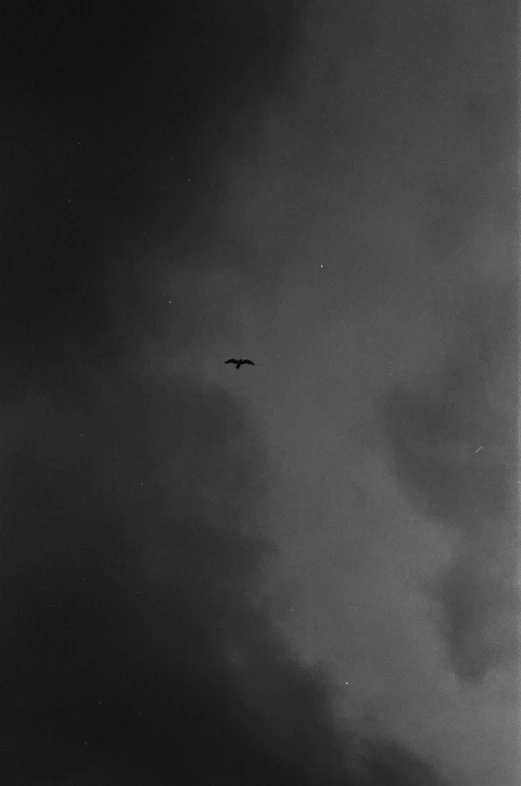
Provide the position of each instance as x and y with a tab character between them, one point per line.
138	639
478	608
139	644
166	167
455	445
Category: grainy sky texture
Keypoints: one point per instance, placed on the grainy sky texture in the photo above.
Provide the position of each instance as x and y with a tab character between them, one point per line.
299	572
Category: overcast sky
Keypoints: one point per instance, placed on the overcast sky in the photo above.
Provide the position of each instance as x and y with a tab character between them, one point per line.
302	571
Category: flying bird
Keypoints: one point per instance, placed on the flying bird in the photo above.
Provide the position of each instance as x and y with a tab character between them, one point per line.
239	363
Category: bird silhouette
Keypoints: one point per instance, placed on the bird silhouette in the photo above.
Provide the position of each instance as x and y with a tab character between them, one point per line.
239	363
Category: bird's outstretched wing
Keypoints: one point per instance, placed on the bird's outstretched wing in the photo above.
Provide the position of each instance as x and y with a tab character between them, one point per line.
249	361
231	360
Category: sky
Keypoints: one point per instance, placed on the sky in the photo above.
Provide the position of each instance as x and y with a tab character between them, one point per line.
303	571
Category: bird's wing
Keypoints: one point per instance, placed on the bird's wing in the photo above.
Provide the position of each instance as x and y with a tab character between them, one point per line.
231	360
249	361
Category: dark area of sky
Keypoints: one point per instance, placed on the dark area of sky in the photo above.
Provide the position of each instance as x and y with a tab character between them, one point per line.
139	642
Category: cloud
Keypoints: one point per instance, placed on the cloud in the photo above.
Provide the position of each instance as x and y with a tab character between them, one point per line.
140	642
454	439
159	179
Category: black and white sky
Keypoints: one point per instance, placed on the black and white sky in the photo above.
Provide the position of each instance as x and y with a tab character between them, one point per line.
303	571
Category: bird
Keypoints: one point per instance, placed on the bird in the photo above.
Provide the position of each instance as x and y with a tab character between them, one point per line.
239	363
